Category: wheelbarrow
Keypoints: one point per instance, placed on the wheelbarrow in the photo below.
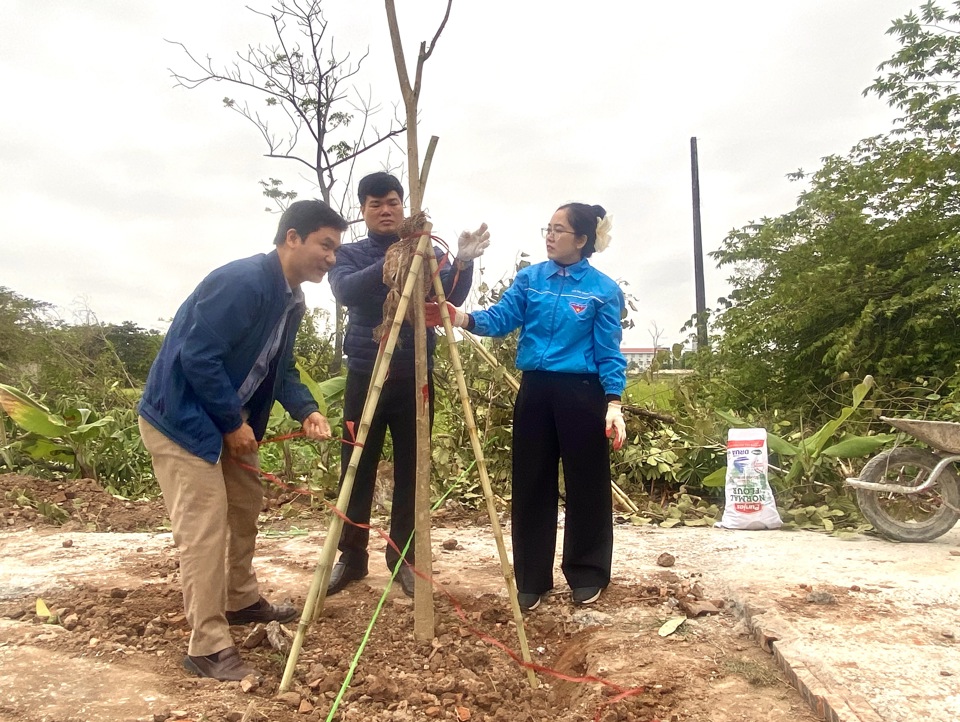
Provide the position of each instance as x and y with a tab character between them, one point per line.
909	493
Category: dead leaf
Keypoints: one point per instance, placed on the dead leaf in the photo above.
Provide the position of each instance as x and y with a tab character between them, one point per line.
42	609
671	626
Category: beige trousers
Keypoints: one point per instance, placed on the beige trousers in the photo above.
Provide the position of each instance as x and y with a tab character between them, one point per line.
213	509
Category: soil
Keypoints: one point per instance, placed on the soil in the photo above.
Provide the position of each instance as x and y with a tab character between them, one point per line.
112	648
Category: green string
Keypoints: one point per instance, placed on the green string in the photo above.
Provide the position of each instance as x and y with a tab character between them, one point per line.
383	598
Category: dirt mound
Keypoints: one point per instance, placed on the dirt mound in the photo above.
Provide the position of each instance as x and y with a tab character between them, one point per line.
458	675
73	504
124	621
84	505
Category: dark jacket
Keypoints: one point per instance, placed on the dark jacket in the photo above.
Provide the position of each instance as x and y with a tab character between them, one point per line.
213	342
357	283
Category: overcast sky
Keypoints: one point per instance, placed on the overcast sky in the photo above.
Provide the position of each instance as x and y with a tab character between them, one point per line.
119	191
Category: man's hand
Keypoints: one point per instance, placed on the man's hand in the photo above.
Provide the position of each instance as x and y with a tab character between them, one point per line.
431	312
316	426
241	441
615	426
472	245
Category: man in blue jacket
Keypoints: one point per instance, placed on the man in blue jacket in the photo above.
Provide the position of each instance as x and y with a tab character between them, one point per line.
227	357
357	283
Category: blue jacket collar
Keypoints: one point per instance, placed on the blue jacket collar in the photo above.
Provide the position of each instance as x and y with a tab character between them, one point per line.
577	271
280	283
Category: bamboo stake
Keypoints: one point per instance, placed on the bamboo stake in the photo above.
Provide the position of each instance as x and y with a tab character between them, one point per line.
621	496
427	162
317	593
505	566
491	359
424	622
618	493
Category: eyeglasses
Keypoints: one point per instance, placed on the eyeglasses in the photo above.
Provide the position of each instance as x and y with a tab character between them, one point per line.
555	231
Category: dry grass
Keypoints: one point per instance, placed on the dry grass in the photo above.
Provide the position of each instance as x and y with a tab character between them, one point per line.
758	675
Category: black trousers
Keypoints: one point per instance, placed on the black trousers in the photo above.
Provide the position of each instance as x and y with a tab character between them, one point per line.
396	411
560	418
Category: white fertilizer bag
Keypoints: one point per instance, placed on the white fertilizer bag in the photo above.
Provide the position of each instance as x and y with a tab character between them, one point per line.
750	503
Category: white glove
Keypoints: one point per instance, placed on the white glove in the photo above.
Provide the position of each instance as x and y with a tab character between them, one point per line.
472	245
458	318
615	426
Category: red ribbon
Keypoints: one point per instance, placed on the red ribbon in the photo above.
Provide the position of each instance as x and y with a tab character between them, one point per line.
622	692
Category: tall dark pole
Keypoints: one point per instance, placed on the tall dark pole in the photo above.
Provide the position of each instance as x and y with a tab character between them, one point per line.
698	249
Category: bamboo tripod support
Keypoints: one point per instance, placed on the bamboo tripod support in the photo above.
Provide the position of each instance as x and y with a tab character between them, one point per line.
618	493
482	470
317	593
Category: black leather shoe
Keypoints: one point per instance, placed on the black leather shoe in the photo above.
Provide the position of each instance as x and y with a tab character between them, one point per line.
225	665
407	579
263	611
341	575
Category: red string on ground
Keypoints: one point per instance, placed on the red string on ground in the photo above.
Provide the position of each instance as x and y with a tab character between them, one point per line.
622	692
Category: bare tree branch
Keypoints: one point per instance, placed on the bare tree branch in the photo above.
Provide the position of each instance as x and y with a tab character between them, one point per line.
411	96
397	43
436	35
427	51
306	88
307	85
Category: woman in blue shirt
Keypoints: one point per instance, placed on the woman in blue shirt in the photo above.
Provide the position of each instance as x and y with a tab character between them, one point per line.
574	374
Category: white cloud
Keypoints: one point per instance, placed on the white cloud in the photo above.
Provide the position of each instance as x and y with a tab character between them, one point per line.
123	191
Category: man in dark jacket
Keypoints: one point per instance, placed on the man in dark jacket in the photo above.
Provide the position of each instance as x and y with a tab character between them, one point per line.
357	283
227	356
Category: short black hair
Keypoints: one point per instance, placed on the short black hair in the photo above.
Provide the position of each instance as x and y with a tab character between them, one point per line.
584	220
378	185
305	217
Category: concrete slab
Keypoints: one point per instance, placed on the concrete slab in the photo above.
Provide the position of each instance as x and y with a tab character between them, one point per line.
866	629
39	684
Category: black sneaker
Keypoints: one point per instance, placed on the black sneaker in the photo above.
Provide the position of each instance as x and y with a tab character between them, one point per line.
586	595
528	601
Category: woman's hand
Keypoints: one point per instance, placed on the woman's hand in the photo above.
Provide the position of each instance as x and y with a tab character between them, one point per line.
431	313
615	426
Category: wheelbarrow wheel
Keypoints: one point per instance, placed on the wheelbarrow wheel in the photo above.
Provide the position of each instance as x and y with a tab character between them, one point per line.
909	517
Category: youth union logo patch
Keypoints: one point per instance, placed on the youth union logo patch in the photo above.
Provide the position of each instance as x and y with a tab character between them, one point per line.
577	307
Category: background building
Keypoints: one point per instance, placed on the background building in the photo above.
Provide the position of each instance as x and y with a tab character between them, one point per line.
638	358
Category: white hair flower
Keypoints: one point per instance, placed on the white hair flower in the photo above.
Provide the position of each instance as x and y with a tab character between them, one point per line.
603	232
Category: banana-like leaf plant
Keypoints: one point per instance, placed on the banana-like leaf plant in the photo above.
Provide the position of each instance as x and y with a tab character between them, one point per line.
807	453
54	436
